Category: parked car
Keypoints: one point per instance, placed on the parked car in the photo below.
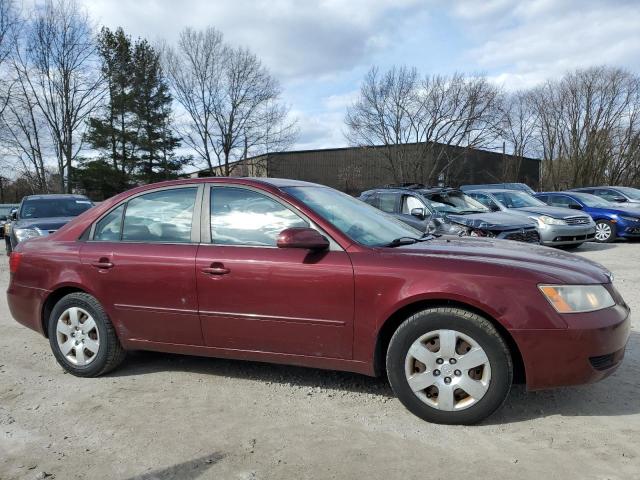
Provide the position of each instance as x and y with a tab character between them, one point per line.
449	211
612	219
292	272
41	215
5	215
627	195
523	187
556	226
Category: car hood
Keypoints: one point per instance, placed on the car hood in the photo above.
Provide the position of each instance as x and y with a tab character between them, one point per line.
46	224
555	212
491	220
546	264
632	212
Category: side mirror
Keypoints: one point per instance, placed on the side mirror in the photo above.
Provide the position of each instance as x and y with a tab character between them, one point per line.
306	238
619	199
494	208
575	206
418	213
14	214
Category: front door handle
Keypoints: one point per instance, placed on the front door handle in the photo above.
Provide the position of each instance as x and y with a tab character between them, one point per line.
216	268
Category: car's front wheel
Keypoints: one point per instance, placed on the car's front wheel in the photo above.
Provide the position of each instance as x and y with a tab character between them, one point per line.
82	337
449	365
605	231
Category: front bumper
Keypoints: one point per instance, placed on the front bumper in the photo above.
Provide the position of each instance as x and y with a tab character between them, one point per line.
566	234
590	349
628	229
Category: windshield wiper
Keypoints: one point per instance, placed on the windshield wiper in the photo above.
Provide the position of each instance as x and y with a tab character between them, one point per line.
396	242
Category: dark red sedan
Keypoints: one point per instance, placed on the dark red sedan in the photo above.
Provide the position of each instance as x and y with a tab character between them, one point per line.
292	272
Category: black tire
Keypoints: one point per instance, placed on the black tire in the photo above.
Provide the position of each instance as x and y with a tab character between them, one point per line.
611	238
474	326
110	353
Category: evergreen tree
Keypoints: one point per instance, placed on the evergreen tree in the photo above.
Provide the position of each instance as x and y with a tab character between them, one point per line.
133	132
113	132
152	107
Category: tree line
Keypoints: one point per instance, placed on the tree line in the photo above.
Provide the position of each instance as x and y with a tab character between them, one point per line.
113	112
94	110
585	126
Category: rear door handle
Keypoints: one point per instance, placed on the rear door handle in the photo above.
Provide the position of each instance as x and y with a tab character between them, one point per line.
215	269
102	264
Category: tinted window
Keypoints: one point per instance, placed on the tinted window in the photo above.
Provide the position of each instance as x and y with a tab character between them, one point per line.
607	194
632	193
108	229
512	199
54	207
387	202
244	217
559	201
163	216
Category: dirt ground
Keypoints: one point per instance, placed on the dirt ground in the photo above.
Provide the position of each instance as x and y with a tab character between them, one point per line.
174	417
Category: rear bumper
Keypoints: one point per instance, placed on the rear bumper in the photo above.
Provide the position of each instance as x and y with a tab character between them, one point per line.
566	234
25	305
589	350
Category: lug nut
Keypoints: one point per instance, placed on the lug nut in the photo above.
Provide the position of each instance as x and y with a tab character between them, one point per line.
439	361
458	373
447	380
436	373
452	361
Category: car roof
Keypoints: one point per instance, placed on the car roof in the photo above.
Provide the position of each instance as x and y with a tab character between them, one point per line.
495	190
54	195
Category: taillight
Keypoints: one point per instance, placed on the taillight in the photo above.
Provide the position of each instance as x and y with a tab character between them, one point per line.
14	261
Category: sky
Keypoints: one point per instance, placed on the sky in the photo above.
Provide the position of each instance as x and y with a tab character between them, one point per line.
321	50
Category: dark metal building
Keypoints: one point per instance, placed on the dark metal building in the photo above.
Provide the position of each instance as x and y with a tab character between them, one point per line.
355	169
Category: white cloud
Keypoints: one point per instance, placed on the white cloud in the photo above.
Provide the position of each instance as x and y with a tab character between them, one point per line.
528	42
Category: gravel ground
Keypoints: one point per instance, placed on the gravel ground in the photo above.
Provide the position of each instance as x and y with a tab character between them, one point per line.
174	417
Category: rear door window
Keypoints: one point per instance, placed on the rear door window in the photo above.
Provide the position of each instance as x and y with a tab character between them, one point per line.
164	216
387	202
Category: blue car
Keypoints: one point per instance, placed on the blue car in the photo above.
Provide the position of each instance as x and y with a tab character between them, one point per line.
612	219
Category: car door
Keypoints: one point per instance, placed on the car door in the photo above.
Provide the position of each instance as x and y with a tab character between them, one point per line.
255	296
140	263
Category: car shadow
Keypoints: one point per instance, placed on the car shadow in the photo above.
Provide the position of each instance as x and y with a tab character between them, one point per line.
610	397
141	363
590	247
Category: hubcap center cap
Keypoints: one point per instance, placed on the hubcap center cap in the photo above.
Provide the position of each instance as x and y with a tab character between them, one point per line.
446	369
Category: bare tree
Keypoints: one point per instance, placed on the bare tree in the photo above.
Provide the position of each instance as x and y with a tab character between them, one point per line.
588	128
231	100
412	120
518	129
9	29
59	65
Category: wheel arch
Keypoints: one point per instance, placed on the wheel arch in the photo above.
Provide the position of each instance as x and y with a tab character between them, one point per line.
399	316
52	299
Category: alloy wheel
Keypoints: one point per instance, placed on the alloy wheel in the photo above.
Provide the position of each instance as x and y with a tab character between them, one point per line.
603	232
447	370
77	336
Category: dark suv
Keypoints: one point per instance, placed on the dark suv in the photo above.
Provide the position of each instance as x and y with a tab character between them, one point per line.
628	195
448	211
41	215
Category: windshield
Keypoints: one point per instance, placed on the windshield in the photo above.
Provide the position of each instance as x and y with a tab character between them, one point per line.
593	201
54	207
511	199
455	202
632	193
359	221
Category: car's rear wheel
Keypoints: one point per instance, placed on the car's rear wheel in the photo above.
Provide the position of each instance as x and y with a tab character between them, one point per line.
82	337
605	231
449	365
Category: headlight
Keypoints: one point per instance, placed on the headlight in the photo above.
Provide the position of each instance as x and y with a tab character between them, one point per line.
23	234
546	220
577	298
455	229
630	219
